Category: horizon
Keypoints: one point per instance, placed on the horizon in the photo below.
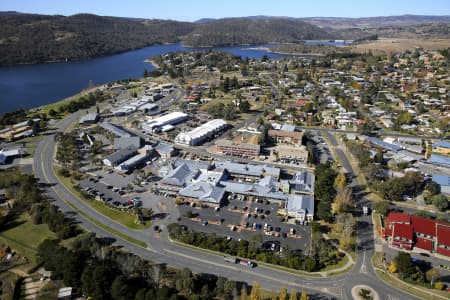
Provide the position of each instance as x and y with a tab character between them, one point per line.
196	10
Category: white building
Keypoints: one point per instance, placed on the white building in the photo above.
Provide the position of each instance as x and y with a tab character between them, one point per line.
201	133
170	119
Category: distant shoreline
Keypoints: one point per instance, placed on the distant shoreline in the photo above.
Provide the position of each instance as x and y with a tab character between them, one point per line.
152	62
269	50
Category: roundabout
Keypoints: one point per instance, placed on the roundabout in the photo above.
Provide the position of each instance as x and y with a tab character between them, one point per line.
364	292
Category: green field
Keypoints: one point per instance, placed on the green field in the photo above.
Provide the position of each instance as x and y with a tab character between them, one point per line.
24	237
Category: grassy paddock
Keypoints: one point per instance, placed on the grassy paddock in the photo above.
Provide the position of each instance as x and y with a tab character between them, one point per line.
25	237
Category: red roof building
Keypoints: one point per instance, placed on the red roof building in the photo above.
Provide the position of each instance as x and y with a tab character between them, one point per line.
404	231
443	238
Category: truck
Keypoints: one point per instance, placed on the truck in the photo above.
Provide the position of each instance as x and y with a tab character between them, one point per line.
235	260
365	210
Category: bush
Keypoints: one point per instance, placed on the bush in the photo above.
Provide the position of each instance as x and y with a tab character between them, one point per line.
64	172
439	285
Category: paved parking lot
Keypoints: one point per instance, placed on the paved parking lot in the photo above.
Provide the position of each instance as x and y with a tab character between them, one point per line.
233	214
106	193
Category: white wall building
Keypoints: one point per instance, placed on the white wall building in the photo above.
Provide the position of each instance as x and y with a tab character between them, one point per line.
201	133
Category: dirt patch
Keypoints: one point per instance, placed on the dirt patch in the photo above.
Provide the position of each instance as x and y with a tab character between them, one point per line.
388	46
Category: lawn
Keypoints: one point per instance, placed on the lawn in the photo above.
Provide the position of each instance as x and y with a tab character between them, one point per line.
24	237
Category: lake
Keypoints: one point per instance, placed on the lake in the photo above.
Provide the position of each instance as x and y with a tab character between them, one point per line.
26	86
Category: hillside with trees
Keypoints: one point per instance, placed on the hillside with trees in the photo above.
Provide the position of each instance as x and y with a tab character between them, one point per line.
29	38
237	31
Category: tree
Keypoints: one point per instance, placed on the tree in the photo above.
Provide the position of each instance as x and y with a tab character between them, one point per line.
255	293
120	289
432	188
324	211
404	265
293	295
382	207
343	200
441	202
244	106
283	295
345	228
52	113
340	181
304	296
393	267
145	73
243	293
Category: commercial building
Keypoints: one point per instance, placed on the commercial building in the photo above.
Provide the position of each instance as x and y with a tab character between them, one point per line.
124	142
201	133
286	137
443	181
120	156
134	161
89	119
290	154
248	172
300	207
7	156
155	125
115	129
405	232
442	147
239	149
164	150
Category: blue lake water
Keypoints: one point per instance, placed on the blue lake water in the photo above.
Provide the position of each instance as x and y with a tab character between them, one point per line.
27	86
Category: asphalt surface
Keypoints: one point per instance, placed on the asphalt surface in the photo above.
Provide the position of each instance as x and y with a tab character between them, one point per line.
160	249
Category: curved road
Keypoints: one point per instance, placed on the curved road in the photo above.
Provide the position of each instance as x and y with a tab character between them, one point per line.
161	250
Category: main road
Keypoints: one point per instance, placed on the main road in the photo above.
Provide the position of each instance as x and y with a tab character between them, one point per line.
162	250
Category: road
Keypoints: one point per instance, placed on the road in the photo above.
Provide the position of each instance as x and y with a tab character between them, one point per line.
161	250
363	272
382	133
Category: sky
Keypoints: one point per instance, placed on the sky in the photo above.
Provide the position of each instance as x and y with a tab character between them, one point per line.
191	10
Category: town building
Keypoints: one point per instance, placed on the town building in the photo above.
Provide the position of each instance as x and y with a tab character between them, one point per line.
286	137
156	124
239	149
89	119
115	129
124	142
406	231
164	150
300	207
442	147
120	156
201	133
6	156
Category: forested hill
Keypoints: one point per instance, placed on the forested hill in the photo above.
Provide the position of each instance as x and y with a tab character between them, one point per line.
236	31
29	38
